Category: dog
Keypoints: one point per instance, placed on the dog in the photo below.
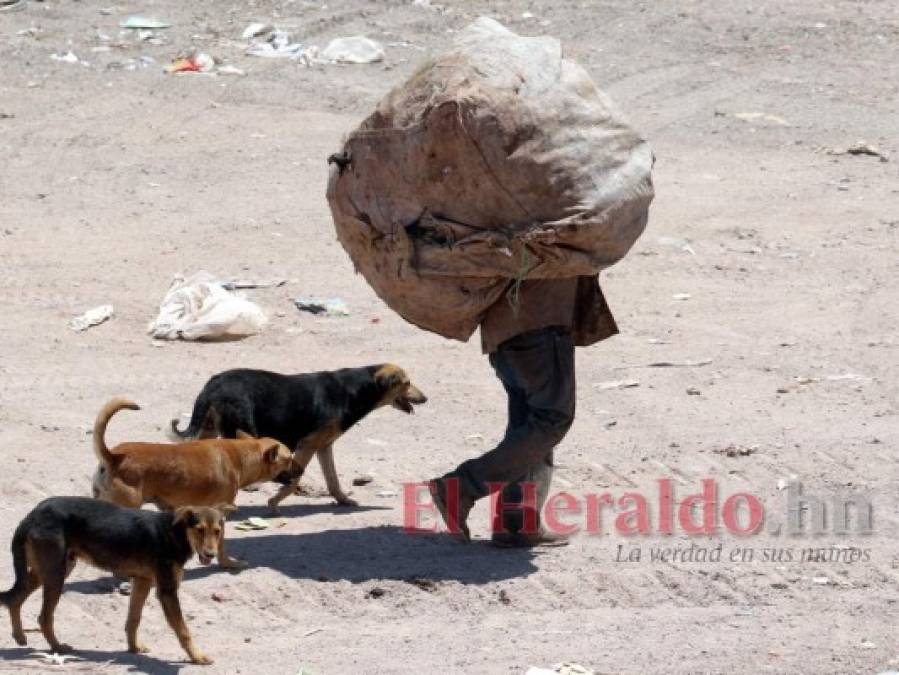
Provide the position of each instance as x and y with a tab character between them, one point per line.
307	412
203	473
150	547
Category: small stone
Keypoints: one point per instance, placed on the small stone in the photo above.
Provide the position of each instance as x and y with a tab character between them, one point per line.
375	593
693	391
364	479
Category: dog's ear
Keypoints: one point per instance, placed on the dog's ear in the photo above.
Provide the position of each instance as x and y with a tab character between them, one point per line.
270	454
225	509
243	434
390	376
185	515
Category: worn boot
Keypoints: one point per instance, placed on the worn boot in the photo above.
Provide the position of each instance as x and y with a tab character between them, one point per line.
454	505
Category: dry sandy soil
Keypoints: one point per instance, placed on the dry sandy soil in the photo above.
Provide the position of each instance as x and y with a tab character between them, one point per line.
115	176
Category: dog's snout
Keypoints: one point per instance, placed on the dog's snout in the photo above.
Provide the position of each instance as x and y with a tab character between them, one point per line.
416	395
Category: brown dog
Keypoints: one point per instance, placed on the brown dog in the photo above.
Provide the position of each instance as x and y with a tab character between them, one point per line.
204	473
149	547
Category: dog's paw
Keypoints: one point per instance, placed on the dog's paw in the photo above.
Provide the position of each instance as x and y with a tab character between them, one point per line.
201	660
63	648
20	639
138	648
346	501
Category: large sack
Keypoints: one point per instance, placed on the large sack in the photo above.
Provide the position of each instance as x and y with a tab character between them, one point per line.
497	161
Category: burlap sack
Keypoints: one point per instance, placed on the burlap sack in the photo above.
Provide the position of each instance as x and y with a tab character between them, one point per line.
497	161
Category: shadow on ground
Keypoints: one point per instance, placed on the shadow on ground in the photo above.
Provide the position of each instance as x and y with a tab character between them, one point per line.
371	553
88	660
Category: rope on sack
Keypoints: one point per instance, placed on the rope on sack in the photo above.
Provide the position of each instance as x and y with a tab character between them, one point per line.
513	295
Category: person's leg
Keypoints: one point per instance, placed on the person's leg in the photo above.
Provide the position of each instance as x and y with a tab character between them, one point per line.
540	364
537	370
531	492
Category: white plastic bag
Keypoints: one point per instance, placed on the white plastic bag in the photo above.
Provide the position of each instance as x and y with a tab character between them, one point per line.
356	49
199	308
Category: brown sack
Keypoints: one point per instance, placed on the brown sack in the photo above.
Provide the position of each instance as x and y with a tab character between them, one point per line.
497	161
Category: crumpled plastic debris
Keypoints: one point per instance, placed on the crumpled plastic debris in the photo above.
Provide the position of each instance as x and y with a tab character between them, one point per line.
355	49
564	668
197	63
139	22
68	57
276	45
256	29
199	308
323	306
91	317
253	523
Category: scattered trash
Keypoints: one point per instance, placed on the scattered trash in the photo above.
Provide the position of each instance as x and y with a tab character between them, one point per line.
364	479
254	523
124	588
303	671
608	424
91	317
821	581
844	377
674	242
862	148
784	483
738	451
242	284
565	668
681	296
8	5
376	441
312	631
197	63
375	593
277	45
49	659
218	597
138	22
199	308
867	644
755	117
256	29
68	57
386	494
474	438
616	384
693	391
231	70
356	49
323	306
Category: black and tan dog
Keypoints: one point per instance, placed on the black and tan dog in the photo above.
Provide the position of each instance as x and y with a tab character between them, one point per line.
306	412
150	547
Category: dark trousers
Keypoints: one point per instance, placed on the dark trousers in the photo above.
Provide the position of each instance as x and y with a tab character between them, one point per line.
537	371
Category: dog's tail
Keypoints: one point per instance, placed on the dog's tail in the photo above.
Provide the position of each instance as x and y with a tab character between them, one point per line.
20	567
202	418
104	456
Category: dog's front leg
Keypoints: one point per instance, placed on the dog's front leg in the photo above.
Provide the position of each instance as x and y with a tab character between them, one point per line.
301	460
168	598
140	589
326	461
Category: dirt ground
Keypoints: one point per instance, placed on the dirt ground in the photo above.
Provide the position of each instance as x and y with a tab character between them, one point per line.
768	253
